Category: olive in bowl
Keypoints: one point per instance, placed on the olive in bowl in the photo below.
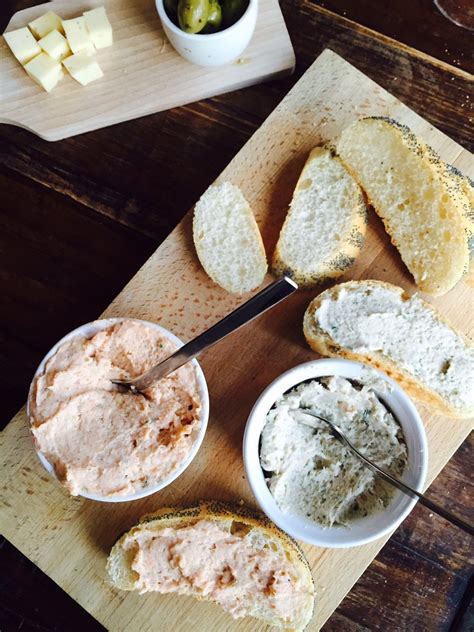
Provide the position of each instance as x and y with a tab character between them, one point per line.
208	32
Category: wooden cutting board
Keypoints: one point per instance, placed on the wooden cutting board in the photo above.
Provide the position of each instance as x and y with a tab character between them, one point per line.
69	538
142	72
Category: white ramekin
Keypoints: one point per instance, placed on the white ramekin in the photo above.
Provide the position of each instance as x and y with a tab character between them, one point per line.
211	49
90	329
363	530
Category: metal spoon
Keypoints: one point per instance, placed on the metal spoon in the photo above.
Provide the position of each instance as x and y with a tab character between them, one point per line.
338	433
260	303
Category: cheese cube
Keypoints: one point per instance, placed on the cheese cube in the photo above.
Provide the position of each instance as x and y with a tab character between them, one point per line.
99	27
55	45
77	35
83	68
22	44
45	71
45	24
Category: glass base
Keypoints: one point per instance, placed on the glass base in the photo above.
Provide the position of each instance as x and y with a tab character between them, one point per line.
461	12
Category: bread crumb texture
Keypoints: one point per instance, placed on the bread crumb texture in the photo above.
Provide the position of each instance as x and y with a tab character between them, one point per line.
325	226
227	239
422	208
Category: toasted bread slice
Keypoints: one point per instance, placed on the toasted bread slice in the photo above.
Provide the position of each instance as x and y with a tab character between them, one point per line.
325	226
227	239
377	323
408	186
240	525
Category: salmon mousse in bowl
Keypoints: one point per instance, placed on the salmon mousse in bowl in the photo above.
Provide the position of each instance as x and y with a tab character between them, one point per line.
105	444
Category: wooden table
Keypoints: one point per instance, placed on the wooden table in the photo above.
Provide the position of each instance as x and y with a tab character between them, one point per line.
80	216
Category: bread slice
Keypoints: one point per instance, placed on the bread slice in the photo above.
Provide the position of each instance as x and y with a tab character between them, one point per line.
465	187
407	184
227	239
259	532
325	226
377	323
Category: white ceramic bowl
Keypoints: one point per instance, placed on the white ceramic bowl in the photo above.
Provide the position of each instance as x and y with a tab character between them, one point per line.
90	329
365	529
211	49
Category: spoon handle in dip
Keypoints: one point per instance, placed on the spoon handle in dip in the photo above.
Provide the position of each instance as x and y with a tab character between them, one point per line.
447	515
260	303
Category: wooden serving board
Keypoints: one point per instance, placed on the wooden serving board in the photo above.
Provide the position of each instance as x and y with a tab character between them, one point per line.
142	71
69	538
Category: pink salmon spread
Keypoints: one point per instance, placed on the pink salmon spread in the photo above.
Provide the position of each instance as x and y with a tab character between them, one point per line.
104	442
239	571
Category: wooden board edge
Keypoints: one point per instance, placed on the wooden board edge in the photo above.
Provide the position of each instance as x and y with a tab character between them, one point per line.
391	42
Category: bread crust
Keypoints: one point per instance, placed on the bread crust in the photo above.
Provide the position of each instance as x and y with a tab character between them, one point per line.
323	344
217	511
465	186
342	258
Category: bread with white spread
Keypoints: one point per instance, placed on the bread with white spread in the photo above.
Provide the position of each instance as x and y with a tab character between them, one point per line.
227	239
218	552
377	323
410	189
325	226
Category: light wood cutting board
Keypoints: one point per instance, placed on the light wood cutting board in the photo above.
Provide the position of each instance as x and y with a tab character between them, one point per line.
69	538
142	72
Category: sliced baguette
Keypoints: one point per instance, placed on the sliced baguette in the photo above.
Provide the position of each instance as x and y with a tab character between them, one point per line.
465	188
377	323
325	226
227	239
234	519
408	186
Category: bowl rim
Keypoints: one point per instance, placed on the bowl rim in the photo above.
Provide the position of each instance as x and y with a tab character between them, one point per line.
199	36
299	527
98	325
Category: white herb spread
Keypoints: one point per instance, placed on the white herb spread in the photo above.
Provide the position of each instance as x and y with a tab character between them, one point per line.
310	472
407	332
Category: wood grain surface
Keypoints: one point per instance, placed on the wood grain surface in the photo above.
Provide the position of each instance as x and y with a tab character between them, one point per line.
142	71
81	216
42	520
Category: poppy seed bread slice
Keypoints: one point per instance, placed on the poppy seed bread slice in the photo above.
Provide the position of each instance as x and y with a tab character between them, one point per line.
325	226
377	323
409	188
465	187
227	239
178	531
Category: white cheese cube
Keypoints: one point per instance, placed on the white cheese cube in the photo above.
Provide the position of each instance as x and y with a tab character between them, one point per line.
45	71
78	35
22	44
83	68
45	24
99	27
55	45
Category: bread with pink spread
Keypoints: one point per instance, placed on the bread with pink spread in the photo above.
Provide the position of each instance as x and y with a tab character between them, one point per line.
218	552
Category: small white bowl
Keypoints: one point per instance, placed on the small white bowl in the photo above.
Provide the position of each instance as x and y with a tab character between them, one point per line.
90	329
363	530
211	49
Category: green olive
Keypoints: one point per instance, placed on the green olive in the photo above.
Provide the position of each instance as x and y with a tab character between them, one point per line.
192	15
171	7
214	19
232	10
